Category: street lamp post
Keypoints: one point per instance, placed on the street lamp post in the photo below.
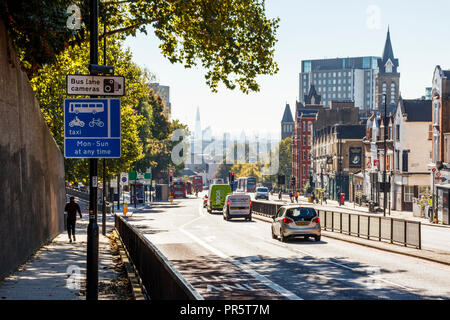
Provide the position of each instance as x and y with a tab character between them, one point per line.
385	153
385	156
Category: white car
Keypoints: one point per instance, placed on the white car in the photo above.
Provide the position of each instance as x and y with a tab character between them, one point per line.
237	206
262	193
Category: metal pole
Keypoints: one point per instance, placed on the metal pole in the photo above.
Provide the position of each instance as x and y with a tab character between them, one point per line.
385	156
104	160
390	198
92	231
104	199
433	198
135	186
118	192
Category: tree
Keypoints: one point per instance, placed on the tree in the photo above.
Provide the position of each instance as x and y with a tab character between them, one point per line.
232	39
247	170
222	170
285	157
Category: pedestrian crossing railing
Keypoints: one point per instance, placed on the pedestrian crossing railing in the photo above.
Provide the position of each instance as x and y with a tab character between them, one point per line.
372	227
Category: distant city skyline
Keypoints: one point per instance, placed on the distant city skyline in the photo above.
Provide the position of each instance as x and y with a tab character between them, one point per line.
418	35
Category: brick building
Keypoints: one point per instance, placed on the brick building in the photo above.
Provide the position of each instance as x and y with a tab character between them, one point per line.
337	153
305	115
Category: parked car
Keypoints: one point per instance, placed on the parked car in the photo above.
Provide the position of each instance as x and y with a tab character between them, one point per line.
262	193
237	206
216	196
293	221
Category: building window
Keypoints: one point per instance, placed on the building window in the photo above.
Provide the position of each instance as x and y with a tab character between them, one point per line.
392	92
409	194
397	160
405	161
397	132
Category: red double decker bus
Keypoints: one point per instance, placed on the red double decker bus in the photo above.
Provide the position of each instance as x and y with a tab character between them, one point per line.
197	183
178	189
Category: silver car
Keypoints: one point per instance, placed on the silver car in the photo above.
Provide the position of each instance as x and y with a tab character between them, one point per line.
262	193
294	220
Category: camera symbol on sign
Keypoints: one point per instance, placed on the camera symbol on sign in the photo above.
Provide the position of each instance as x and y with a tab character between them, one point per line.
110	86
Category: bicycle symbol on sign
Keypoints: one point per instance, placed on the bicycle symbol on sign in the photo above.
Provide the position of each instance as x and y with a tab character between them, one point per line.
96	122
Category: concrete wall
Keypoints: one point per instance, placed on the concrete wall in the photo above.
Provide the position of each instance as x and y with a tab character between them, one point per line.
32	192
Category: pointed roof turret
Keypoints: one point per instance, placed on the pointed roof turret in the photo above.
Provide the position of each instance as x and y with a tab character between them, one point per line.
312	97
287	116
388	54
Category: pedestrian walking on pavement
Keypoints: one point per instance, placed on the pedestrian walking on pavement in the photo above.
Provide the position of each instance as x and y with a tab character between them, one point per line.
279	195
72	208
325	197
296	196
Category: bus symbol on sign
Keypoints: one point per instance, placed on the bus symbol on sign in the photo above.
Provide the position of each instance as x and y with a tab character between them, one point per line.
438	174
77	107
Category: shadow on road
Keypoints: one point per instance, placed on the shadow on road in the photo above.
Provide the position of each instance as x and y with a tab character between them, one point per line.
307	277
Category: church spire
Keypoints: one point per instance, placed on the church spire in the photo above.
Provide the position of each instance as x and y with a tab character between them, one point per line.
388	54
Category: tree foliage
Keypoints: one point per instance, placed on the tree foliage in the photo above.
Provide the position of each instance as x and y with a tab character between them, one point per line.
285	157
232	39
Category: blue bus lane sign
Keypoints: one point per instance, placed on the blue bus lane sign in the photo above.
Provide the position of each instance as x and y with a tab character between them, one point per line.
92	128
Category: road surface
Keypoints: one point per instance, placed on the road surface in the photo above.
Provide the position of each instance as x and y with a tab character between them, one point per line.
239	260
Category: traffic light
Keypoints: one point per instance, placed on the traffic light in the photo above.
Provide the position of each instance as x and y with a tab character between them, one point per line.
230	177
293	181
170	178
281	180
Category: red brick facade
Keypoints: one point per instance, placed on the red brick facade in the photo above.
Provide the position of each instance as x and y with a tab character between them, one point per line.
302	144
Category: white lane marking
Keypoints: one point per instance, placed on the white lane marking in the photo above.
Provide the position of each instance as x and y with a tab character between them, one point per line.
283	291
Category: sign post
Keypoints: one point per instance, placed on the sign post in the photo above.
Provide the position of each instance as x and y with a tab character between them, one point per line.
92	231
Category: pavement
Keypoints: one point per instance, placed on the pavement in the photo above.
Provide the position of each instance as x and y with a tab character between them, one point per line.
58	270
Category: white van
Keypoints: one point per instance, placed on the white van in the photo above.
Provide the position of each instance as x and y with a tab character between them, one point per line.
237	206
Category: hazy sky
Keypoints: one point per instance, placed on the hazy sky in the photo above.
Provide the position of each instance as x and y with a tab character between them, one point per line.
420	34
